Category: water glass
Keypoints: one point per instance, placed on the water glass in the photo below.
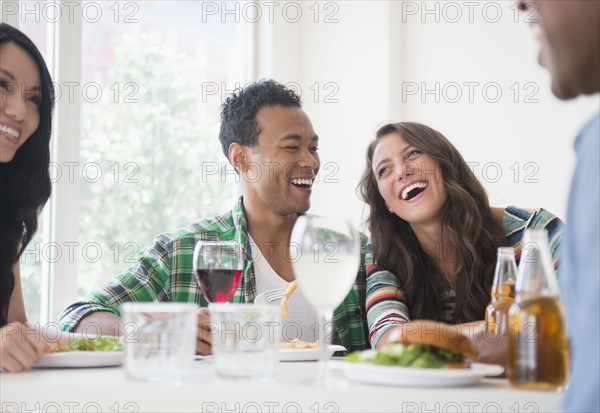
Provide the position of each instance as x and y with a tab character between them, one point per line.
160	340
327	258
246	340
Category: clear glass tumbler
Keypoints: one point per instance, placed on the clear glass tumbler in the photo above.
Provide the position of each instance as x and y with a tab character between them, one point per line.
246	340
160	340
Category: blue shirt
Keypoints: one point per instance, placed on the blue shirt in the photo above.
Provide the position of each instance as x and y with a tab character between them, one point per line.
581	269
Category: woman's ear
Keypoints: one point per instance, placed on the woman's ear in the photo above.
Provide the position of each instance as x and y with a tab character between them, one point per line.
388	207
237	157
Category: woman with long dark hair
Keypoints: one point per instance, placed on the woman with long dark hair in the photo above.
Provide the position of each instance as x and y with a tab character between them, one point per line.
26	102
434	235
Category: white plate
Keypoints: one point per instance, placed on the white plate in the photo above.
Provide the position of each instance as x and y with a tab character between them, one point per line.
306	354
414	376
80	359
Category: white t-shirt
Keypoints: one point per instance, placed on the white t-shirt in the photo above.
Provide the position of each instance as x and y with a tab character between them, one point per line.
302	319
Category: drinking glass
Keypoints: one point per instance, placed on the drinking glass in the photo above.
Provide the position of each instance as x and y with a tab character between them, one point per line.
218	267
325	255
246	340
160	340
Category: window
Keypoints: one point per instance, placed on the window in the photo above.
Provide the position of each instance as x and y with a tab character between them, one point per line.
148	126
152	81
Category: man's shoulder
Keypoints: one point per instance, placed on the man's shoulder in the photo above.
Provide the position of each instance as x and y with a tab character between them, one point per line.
212	228
592	127
589	138
209	228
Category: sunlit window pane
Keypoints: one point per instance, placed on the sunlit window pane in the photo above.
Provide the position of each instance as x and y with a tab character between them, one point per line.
147	128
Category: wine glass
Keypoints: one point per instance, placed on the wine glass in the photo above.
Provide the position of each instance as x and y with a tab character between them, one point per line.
325	256
218	267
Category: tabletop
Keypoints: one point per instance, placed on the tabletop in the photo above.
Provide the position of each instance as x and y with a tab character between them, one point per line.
293	390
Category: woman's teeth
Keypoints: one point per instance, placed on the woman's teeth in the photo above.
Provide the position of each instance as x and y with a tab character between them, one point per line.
409	188
9	131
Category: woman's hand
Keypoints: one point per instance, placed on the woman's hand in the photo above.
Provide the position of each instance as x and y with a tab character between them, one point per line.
434	333
490	347
487	346
20	348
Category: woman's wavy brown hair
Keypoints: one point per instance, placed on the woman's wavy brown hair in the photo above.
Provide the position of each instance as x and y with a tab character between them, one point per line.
467	225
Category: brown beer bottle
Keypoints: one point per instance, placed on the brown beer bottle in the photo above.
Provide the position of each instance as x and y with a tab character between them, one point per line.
503	292
538	350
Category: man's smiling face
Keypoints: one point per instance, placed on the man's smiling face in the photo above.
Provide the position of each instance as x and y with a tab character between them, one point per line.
281	168
568	31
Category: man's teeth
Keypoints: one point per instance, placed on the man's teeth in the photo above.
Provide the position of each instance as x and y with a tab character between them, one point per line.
411	187
301	181
9	131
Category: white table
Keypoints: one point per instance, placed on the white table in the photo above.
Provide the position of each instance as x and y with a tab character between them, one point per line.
107	389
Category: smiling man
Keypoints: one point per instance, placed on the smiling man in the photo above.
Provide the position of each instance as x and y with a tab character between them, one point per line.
271	143
569	31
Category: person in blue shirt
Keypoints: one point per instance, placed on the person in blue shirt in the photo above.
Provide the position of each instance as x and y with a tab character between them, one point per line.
570	50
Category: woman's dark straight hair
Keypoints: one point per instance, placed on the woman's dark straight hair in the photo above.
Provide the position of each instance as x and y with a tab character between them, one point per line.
25	180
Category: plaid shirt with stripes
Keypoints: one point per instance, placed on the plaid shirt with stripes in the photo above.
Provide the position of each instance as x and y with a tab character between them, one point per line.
164	273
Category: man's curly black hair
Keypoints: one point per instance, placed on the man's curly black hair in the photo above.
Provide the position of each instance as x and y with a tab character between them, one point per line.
238	112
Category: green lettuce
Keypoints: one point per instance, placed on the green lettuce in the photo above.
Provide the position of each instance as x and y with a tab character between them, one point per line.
413	355
91	344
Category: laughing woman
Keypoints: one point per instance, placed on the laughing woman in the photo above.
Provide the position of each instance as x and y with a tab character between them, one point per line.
434	235
26	101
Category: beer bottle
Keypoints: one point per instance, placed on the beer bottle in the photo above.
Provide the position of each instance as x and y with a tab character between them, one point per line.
503	292
538	349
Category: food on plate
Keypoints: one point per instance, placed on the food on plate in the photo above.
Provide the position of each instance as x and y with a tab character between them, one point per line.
424	344
89	344
296	343
434	333
286	296
412	355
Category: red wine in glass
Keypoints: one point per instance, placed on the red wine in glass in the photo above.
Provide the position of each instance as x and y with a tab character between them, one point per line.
218	285
218	267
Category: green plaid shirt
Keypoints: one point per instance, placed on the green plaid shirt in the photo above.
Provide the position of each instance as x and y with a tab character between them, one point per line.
165	273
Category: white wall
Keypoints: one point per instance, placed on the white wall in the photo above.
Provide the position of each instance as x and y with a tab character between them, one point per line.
378	50
539	130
